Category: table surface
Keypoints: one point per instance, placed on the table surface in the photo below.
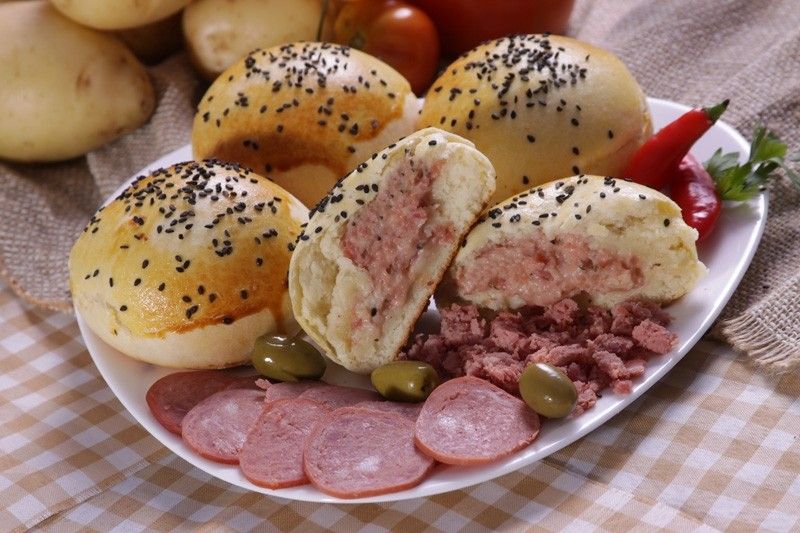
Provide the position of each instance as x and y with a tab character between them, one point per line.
712	446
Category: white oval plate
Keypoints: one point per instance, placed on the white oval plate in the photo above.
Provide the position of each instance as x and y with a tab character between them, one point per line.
727	253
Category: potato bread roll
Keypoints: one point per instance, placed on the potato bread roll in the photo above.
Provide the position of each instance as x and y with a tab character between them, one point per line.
375	248
187	266
609	238
303	114
541	107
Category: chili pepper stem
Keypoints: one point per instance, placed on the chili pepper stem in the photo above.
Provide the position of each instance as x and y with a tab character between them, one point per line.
716	111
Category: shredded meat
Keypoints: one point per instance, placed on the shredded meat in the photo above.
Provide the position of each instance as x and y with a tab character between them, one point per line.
595	347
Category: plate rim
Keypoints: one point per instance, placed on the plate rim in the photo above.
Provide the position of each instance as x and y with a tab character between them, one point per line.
516	461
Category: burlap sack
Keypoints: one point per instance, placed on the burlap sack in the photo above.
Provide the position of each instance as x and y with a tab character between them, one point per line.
692	51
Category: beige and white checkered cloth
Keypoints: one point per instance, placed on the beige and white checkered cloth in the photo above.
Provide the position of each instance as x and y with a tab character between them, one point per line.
712	446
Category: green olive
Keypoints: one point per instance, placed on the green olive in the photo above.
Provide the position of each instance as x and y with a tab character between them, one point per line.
547	390
405	381
287	358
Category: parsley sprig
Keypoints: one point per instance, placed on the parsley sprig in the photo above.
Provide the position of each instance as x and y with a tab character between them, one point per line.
742	182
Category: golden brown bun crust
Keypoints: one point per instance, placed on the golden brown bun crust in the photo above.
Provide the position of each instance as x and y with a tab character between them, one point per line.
541	108
196	246
300	104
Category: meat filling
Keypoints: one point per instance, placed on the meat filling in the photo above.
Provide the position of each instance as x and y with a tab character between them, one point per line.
388	237
595	347
541	272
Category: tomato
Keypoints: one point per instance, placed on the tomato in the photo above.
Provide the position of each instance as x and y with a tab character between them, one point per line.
393	31
463	24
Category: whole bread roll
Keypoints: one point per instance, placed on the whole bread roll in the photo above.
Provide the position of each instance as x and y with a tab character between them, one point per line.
376	247
303	114
611	239
187	266
541	107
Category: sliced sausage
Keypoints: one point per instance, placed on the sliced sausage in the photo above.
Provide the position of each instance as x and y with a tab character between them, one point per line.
172	396
358	452
280	391
272	455
216	428
469	421
335	396
409	410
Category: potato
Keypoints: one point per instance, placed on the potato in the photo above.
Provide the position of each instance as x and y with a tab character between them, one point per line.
64	89
156	41
218	32
118	14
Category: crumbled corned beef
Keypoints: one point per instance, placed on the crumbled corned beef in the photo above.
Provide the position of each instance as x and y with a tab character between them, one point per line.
597	348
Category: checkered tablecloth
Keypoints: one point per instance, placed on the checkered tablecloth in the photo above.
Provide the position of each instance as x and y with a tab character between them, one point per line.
713	446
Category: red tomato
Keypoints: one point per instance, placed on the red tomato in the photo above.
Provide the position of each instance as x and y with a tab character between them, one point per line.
463	24
393	31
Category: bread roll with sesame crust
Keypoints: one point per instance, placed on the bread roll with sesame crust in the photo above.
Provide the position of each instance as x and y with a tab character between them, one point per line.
376	247
610	239
303	114
541	107
187	266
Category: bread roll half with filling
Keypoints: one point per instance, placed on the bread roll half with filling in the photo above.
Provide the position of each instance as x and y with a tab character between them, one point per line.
375	248
611	239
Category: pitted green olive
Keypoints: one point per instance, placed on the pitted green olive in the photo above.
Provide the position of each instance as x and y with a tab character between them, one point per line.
405	381
547	390
287	359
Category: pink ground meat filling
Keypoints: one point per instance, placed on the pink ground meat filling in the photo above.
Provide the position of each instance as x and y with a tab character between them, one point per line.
389	234
595	347
542	271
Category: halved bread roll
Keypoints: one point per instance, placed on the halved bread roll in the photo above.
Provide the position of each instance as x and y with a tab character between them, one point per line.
376	247
611	239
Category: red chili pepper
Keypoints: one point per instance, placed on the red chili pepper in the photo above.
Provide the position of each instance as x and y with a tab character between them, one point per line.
655	162
693	189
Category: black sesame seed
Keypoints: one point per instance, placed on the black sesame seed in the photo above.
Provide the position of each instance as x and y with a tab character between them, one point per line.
243	294
161	286
531	138
574	122
137	281
666	222
227	320
123	308
373	311
432	143
186	298
642	197
610	134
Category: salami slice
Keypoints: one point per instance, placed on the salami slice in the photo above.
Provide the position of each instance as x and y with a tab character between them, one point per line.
468	421
216	428
272	455
172	396
362	452
335	396
280	391
409	410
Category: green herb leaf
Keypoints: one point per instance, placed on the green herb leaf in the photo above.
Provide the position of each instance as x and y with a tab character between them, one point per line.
742	182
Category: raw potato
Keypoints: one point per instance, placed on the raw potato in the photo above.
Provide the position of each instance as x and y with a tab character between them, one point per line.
118	14
219	32
64	89
156	41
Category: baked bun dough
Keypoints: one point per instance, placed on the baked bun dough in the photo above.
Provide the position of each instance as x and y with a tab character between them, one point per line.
378	244
541	108
188	265
608	238
303	114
